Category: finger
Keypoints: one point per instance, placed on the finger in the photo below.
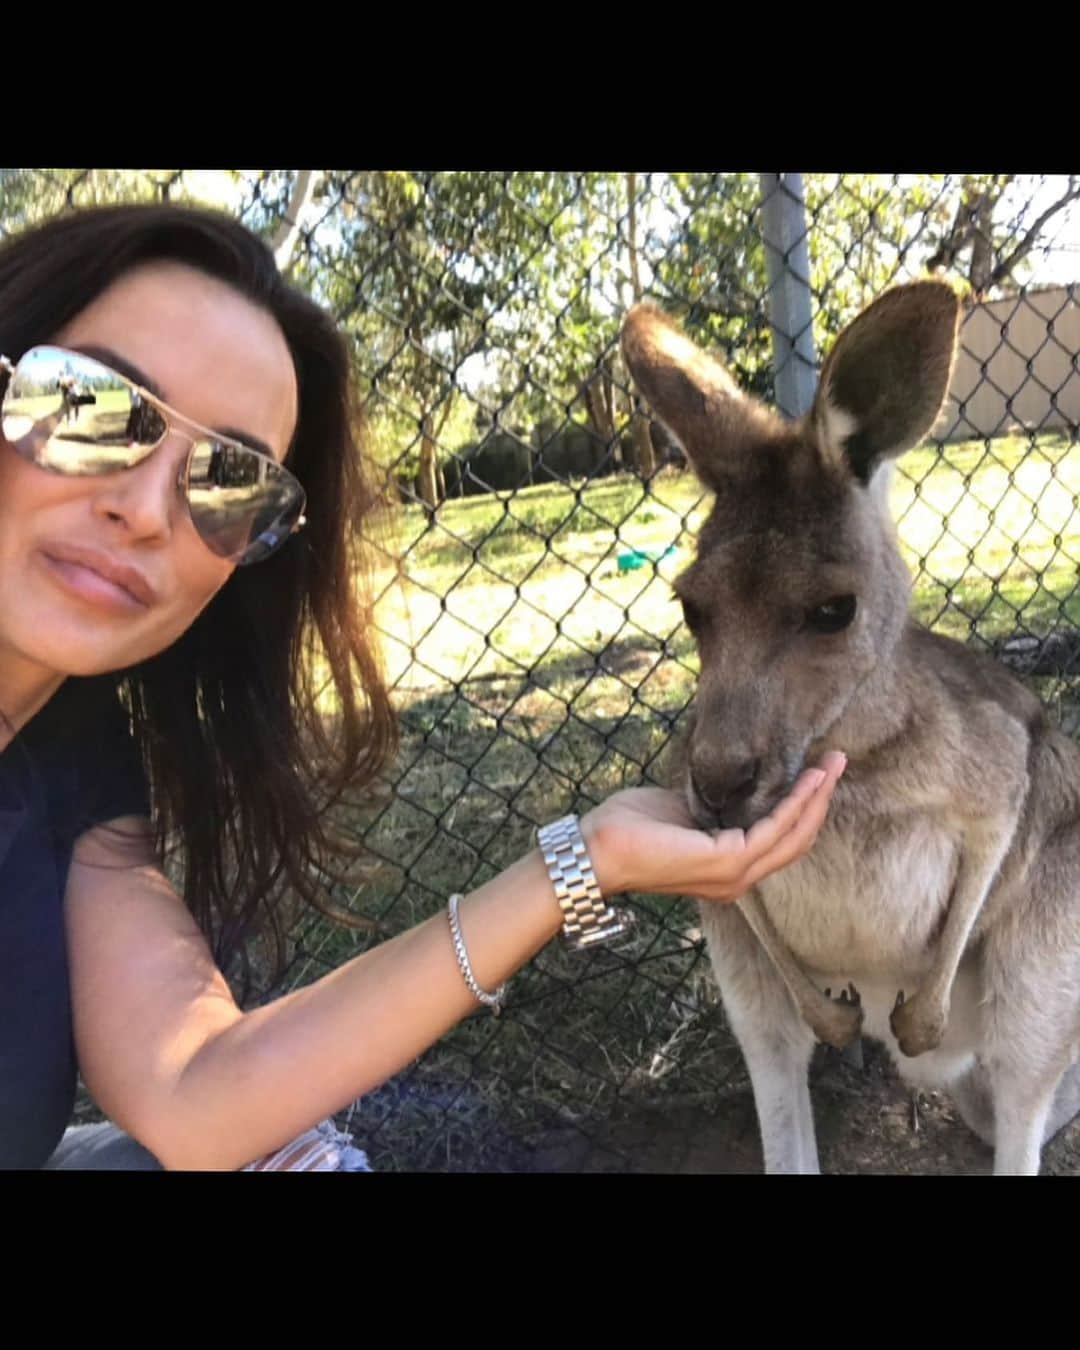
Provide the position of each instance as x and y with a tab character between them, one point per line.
798	840
803	812
793	845
731	842
808	788
763	834
834	764
815	810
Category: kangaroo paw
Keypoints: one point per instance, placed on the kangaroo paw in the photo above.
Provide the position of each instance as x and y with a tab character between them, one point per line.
918	1023
837	1022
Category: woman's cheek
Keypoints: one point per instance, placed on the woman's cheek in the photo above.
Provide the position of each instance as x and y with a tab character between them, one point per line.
195	601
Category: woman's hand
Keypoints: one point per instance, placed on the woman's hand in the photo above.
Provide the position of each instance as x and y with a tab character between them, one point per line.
644	839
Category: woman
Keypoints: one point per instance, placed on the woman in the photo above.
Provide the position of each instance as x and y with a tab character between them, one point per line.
183	534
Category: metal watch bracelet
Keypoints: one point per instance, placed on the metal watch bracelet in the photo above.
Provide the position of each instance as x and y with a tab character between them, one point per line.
588	918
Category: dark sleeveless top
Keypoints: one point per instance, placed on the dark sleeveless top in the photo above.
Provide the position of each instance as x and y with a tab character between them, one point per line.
74	765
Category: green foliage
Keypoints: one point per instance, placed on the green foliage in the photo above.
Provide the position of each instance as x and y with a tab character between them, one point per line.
258	197
714	269
491	301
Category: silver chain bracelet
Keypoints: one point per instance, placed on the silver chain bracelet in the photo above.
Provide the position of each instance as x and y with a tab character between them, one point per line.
492	1001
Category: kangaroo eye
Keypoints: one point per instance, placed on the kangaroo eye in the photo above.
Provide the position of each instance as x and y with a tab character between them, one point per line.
833	615
693	616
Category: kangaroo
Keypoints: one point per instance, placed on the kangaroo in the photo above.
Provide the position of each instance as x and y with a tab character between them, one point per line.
943	892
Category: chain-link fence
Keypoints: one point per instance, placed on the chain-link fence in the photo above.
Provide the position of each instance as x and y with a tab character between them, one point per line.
536	653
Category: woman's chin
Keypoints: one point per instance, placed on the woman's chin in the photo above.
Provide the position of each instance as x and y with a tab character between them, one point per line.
79	656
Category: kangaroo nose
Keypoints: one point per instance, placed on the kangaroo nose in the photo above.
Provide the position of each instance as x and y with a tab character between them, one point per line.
724	790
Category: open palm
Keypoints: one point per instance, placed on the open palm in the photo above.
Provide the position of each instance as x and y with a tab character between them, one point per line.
644	839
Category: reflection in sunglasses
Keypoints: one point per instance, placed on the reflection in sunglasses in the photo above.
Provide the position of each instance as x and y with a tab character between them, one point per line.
72	415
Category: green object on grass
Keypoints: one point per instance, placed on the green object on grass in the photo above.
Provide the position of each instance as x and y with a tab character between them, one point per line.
630	559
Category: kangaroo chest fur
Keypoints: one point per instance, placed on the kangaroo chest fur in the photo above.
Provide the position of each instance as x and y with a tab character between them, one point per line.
868	901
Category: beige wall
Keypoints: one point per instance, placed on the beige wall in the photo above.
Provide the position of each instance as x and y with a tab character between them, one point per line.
1041	326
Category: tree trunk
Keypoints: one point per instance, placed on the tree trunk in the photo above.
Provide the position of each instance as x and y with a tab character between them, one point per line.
285	236
644	454
427	479
597	391
428	476
982	246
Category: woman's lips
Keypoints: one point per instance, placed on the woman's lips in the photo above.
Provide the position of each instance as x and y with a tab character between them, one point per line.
84	581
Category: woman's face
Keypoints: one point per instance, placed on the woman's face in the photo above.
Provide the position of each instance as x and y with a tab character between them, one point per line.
211	355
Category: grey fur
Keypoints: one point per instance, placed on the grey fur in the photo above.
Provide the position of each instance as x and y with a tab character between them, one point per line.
943	886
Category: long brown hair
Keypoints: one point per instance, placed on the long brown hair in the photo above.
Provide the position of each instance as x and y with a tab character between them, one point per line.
243	768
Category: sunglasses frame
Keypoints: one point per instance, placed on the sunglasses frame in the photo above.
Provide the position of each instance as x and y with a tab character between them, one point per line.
171	418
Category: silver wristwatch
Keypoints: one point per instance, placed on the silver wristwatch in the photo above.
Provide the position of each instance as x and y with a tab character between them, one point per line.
587	916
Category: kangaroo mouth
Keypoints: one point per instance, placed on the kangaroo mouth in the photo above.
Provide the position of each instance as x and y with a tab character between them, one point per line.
740	815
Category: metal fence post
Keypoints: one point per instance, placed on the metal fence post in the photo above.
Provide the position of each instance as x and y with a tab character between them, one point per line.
787	256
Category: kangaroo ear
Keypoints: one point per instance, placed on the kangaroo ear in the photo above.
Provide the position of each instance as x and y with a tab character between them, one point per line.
884	382
691	393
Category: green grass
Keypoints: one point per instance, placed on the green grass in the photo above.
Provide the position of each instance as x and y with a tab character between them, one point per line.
992	534
500	585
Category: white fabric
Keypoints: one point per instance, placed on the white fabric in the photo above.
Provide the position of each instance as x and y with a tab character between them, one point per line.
323	1149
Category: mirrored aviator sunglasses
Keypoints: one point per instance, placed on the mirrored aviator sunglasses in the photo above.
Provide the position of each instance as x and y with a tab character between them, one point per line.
72	415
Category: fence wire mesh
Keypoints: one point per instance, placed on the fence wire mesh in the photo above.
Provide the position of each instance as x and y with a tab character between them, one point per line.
536	653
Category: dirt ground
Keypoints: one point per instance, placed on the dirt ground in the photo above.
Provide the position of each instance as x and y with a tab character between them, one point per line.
867	1124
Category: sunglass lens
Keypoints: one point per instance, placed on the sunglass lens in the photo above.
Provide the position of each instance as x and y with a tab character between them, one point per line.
243	504
73	416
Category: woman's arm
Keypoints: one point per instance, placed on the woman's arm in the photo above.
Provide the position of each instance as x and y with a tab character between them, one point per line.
168	1055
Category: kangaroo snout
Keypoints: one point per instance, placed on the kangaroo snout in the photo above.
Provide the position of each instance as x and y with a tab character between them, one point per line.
725	795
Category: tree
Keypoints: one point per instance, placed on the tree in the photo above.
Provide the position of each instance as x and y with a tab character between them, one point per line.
405	261
287	232
262	198
987	250
29	196
481	300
